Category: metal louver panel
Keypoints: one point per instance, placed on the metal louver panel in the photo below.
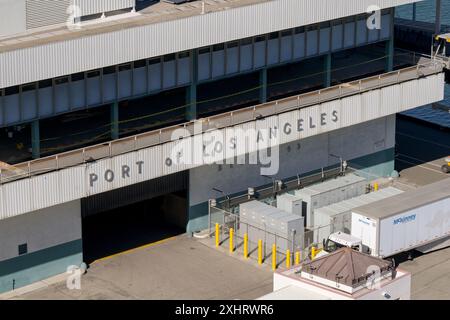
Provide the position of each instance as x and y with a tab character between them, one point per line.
42	13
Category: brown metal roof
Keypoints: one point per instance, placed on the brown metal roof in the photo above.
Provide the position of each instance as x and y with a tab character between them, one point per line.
346	266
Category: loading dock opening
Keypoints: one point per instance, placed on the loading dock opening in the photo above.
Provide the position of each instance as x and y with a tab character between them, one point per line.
133	216
132	226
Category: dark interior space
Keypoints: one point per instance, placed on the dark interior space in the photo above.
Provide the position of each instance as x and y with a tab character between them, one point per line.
228	94
295	78
152	112
354	64
115	231
75	130
15	144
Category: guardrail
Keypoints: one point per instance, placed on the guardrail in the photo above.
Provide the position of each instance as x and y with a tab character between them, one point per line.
425	68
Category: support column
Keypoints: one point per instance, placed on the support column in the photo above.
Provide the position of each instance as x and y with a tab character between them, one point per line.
191	91
327	70
263	85
35	140
115	121
414	16
390	45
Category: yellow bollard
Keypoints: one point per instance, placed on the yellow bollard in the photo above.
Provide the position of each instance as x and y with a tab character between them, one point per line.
231	240
217	235
375	186
313	253
260	258
297	258
246	246
288	259
274	257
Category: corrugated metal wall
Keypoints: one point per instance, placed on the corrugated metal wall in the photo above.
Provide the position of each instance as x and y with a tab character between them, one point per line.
41	13
99	6
131	44
109	174
135	193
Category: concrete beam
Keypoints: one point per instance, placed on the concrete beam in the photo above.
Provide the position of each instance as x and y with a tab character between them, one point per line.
327	70
191	90
35	140
263	85
115	121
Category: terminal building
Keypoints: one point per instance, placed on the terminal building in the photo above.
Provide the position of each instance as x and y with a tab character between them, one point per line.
96	95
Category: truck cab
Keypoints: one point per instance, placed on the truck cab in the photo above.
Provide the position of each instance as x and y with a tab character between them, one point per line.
339	240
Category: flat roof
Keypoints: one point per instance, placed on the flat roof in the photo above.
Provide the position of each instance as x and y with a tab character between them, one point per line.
331	184
294	293
156	13
406	201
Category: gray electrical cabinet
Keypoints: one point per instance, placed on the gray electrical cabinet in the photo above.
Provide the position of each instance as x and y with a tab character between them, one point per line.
272	225
329	192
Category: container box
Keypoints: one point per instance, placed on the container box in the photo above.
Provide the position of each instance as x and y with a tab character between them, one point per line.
337	217
410	220
328	192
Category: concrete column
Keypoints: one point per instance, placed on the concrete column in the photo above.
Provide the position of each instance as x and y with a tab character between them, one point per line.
327	70
263	85
191	91
115	121
390	45
35	140
414	16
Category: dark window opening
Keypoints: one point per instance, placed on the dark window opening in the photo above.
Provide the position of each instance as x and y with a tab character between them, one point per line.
23	249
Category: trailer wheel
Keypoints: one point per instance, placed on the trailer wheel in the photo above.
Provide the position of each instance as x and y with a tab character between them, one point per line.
445	168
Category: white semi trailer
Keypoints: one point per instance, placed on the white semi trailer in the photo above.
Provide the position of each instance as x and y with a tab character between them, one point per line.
418	219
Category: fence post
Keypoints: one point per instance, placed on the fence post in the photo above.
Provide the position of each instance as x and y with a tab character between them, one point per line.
297	258
260	252
246	246
288	259
274	257
231	240
313	253
217	235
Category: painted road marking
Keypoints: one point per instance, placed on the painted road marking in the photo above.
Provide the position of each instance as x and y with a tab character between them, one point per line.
152	244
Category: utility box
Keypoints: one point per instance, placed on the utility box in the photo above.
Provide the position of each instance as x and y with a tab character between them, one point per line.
338	216
272	225
291	229
329	192
291	204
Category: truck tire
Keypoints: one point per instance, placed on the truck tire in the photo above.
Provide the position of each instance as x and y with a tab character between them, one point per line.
445	168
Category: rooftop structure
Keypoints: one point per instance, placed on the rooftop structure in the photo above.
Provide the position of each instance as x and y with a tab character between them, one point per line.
345	274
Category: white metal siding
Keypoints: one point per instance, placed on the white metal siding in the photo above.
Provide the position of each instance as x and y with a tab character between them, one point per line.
73	183
41	13
432	222
89	7
46	12
87	53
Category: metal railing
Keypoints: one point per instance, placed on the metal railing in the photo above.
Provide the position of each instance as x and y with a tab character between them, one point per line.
424	68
